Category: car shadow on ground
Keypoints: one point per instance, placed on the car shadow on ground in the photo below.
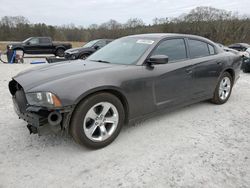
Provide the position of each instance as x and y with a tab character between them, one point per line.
65	140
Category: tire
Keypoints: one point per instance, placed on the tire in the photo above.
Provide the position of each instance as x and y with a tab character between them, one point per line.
223	89
91	126
60	52
83	56
246	69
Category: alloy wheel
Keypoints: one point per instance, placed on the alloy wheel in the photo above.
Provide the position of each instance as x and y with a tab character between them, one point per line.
101	121
225	88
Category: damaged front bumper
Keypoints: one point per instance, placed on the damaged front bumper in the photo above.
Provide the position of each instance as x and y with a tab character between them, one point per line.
44	121
41	120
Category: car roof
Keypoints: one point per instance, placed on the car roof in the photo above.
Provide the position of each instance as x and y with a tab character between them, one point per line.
239	45
159	36
163	35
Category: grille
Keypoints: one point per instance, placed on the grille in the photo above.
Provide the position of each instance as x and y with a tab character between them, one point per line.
21	100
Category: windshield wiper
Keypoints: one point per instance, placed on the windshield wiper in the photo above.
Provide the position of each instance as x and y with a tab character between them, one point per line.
101	61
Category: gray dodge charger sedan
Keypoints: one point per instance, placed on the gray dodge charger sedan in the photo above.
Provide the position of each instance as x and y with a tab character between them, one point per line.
130	78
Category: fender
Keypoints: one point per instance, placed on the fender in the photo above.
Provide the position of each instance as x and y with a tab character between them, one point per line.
111	89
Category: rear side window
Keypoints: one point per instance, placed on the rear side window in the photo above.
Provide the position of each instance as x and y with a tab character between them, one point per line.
175	49
211	49
44	40
198	48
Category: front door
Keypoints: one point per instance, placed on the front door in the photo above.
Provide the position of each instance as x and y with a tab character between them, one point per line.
172	81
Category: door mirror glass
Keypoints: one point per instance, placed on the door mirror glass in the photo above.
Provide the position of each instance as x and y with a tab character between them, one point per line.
158	59
96	47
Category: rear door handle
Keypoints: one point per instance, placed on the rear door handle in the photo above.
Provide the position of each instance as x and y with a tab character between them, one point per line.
219	63
189	71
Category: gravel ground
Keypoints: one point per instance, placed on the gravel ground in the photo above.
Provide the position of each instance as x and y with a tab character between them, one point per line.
202	145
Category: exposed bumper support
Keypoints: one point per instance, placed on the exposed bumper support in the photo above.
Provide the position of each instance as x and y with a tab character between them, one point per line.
44	122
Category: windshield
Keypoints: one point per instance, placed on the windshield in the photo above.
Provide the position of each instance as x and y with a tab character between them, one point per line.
122	51
26	40
90	44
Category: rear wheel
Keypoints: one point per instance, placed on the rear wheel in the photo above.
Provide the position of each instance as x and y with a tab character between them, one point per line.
223	89
97	120
60	52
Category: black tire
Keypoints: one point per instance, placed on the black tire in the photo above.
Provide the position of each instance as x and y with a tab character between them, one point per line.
216	98
77	121
246	69
83	56
60	52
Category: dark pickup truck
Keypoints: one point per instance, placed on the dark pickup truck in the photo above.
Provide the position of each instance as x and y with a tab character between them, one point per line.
40	45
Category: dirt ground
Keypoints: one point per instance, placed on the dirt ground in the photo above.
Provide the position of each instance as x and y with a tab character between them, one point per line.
202	145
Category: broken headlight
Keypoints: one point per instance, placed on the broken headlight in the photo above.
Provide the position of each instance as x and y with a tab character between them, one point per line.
44	99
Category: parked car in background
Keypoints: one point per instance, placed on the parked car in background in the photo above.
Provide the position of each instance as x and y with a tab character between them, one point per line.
40	45
130	78
86	50
241	47
246	61
228	49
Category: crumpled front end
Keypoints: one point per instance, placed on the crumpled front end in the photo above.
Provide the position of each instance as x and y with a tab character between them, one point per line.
40	120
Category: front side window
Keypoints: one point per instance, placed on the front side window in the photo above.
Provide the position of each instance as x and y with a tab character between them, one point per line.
175	49
34	41
100	43
44	40
198	48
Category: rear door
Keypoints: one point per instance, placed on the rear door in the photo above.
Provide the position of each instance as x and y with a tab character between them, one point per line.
207	67
45	45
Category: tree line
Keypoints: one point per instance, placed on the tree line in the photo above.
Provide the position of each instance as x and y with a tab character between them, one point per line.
216	24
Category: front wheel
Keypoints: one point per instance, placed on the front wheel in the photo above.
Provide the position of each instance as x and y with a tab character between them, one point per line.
223	89
97	120
83	56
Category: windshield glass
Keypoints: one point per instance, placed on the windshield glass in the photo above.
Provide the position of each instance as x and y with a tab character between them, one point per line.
90	44
122	51
26	40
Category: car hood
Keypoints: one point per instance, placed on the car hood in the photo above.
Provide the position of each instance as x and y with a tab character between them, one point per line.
44	74
76	50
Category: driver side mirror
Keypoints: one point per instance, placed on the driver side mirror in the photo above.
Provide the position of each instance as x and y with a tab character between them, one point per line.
97	47
28	43
158	59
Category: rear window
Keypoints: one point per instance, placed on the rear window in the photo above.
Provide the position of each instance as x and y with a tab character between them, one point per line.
198	48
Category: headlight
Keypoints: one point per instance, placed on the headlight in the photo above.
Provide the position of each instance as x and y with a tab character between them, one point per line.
45	99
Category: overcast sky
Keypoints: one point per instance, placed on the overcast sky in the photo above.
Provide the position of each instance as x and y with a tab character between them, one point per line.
86	12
